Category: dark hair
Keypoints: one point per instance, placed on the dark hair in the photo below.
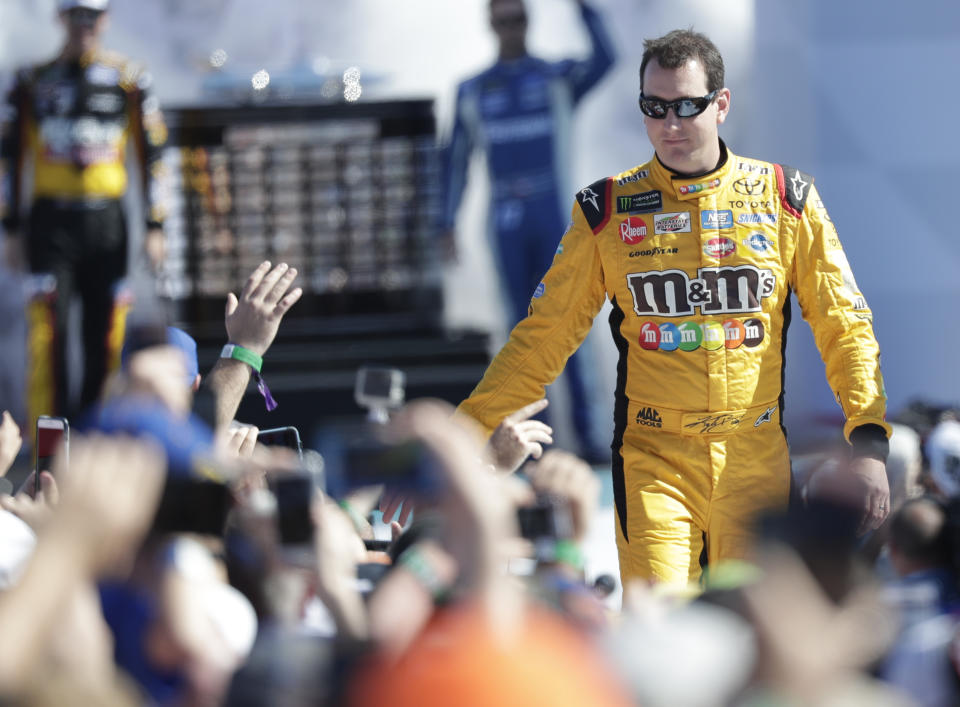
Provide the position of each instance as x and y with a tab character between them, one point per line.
676	48
497	2
918	530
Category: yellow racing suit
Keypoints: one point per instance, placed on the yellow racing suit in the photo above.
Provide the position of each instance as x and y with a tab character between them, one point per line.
699	272
66	127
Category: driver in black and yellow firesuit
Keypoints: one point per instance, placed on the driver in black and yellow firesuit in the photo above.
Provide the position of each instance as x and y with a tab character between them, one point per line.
68	123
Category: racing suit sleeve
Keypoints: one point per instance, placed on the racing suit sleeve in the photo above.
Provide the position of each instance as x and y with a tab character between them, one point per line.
150	136
456	159
12	153
583	74
837	312
560	316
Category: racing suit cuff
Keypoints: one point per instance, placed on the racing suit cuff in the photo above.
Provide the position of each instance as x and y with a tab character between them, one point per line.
870	441
154	224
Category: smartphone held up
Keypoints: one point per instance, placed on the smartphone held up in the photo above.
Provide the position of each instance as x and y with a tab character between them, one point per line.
53	437
282	437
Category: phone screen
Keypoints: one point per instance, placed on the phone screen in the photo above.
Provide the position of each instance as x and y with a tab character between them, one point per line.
282	437
536	522
51	431
360	459
294	494
193	506
545	520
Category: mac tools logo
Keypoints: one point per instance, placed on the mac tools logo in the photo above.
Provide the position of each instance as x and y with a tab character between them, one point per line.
650	417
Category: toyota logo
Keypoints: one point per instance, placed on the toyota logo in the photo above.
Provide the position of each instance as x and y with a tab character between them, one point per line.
749	187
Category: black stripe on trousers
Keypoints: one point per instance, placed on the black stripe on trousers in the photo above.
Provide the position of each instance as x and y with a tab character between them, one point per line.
619	417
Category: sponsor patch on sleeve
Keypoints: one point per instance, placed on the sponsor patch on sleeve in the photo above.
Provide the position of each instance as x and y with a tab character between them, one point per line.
594	201
794	187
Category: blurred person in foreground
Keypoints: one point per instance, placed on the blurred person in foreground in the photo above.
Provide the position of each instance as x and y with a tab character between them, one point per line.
922	551
70	121
180	628
942	449
448	624
518	113
103	508
445	604
698	251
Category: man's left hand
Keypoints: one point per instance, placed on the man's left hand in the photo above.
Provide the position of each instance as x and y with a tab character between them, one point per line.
876	491
252	319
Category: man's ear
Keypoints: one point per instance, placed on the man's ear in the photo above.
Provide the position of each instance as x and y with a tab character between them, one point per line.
723	104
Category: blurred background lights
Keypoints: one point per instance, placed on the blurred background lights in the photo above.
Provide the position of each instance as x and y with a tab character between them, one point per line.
320	65
330	88
351	92
260	80
218	58
351	84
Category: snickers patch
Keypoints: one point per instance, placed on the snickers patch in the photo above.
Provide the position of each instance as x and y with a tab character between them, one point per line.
594	201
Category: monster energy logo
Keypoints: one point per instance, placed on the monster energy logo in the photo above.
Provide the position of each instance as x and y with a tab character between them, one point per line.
638	203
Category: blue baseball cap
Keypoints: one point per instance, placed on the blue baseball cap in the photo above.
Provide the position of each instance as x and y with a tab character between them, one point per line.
186	441
145	336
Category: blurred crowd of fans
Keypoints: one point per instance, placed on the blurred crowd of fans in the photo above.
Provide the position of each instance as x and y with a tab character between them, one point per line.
165	560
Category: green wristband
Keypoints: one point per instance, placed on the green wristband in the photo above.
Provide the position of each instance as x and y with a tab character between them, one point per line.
418	565
241	354
567	552
359	522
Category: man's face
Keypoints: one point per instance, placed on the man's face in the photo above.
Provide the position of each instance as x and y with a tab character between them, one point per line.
687	145
508	18
161	372
84	27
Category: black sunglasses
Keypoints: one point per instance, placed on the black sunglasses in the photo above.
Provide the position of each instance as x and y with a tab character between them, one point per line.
683	107
83	16
505	21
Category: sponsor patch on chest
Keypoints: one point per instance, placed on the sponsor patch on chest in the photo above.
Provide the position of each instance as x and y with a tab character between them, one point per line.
644	202
672	223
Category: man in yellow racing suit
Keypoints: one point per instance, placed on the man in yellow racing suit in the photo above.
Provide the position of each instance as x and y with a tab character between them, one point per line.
699	264
67	125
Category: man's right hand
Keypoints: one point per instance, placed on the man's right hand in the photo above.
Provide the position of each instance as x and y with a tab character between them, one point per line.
519	437
253	319
13	256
